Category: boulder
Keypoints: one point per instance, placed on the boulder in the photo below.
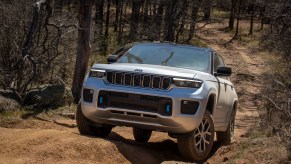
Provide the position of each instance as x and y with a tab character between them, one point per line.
10	94
46	95
8	105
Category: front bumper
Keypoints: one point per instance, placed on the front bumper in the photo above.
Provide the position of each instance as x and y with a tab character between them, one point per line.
176	123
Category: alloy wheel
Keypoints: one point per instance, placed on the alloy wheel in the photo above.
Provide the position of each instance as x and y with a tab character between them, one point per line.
202	136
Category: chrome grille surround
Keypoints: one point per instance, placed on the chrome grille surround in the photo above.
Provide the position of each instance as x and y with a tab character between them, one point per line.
138	80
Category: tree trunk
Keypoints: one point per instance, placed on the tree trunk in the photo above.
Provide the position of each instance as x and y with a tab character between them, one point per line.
136	4
232	15
182	18
116	15
83	44
107	20
166	17
120	31
171	22
262	15
195	8
145	15
158	21
99	16
207	9
238	19
252	18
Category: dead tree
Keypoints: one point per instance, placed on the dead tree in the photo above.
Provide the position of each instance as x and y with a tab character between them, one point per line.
83	44
25	50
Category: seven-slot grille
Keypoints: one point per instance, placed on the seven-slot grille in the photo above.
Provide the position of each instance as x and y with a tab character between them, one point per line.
138	80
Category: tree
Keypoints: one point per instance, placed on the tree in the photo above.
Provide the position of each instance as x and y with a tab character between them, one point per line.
238	19
120	22
32	44
117	12
232	14
135	16
194	12
181	17
107	21
83	44
99	16
158	20
278	36
251	8
207	9
171	22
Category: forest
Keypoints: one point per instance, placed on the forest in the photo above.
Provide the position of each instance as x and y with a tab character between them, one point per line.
48	46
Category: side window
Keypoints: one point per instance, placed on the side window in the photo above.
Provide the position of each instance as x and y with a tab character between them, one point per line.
221	62
217	61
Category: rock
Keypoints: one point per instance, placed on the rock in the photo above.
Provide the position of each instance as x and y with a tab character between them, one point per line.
46	95
8	105
69	115
11	95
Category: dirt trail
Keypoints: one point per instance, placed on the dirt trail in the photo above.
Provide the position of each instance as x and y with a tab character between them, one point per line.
247	67
37	141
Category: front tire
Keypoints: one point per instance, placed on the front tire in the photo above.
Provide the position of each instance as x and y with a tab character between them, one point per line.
86	128
141	135
227	137
197	145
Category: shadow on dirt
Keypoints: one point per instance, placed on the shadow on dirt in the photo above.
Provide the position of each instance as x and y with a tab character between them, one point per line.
151	152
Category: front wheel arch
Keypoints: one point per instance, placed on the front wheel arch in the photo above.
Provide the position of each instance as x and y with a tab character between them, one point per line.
211	103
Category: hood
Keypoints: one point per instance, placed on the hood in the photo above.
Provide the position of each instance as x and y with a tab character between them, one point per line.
150	69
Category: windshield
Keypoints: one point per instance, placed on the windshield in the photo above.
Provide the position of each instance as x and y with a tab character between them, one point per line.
168	55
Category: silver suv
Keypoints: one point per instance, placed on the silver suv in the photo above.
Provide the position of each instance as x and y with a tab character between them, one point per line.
179	89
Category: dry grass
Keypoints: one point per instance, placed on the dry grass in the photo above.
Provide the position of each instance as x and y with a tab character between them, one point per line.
255	147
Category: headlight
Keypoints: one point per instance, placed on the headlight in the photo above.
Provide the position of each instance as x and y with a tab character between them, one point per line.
188	83
97	73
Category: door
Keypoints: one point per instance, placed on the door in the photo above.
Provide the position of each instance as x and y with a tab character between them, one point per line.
224	102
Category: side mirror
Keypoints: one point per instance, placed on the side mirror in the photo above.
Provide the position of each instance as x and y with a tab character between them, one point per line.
223	71
112	59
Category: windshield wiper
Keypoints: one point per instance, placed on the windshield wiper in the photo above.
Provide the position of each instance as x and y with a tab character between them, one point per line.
166	61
